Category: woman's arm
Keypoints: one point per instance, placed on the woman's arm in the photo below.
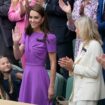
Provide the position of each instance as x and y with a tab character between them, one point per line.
18	49
88	65
15	11
52	57
68	10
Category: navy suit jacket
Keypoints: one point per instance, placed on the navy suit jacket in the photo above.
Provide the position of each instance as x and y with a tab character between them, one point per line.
101	22
5	25
57	21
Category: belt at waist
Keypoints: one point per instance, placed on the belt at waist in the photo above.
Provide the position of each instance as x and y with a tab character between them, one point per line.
33	64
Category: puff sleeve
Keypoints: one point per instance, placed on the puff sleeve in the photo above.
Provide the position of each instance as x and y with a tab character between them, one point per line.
51	43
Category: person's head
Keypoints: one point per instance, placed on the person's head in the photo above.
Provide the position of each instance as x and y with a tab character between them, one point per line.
37	20
86	29
5	65
5	69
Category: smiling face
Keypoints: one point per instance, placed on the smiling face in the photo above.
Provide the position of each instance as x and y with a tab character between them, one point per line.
5	65
35	20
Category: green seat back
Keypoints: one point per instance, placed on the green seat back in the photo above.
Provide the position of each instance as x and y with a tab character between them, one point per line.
59	83
69	86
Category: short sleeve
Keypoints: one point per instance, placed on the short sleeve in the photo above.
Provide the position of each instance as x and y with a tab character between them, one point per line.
51	43
23	38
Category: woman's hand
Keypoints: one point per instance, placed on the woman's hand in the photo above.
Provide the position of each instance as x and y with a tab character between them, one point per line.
14	3
101	60
40	2
65	7
16	36
66	63
22	8
50	93
27	5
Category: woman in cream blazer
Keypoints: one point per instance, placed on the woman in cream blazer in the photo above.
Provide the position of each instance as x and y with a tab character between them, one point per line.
88	85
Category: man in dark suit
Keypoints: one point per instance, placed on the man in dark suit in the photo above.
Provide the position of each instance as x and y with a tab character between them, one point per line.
101	20
6	31
57	20
101	27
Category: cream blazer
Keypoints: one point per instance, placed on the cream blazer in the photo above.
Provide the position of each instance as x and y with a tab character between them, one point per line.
88	79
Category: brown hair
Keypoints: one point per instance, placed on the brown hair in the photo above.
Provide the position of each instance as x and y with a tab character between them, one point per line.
44	26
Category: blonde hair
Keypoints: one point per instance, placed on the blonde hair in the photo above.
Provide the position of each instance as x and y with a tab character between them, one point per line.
88	29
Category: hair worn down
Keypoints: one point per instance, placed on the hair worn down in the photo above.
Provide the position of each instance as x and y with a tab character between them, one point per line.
88	29
3	94
44	26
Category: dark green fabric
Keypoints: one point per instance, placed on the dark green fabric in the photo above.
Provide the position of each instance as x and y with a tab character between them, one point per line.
69	87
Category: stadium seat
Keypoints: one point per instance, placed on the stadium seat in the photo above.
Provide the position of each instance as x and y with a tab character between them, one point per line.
69	86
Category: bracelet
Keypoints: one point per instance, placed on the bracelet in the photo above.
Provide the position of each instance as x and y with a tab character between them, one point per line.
69	15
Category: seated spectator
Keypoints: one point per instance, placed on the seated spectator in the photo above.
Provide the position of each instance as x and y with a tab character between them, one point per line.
10	80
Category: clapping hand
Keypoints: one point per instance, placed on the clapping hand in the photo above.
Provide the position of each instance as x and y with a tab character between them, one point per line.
65	7
41	2
66	63
16	36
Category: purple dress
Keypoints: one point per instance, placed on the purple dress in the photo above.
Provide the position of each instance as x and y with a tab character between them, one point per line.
35	81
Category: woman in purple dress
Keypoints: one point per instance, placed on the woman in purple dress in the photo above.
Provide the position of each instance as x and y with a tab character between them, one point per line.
36	43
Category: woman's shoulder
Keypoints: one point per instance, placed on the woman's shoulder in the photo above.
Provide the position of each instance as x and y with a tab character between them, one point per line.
51	36
93	44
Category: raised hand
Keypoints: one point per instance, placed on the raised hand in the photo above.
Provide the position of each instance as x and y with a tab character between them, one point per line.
101	60
22	8
14	3
27	4
41	2
16	36
65	7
